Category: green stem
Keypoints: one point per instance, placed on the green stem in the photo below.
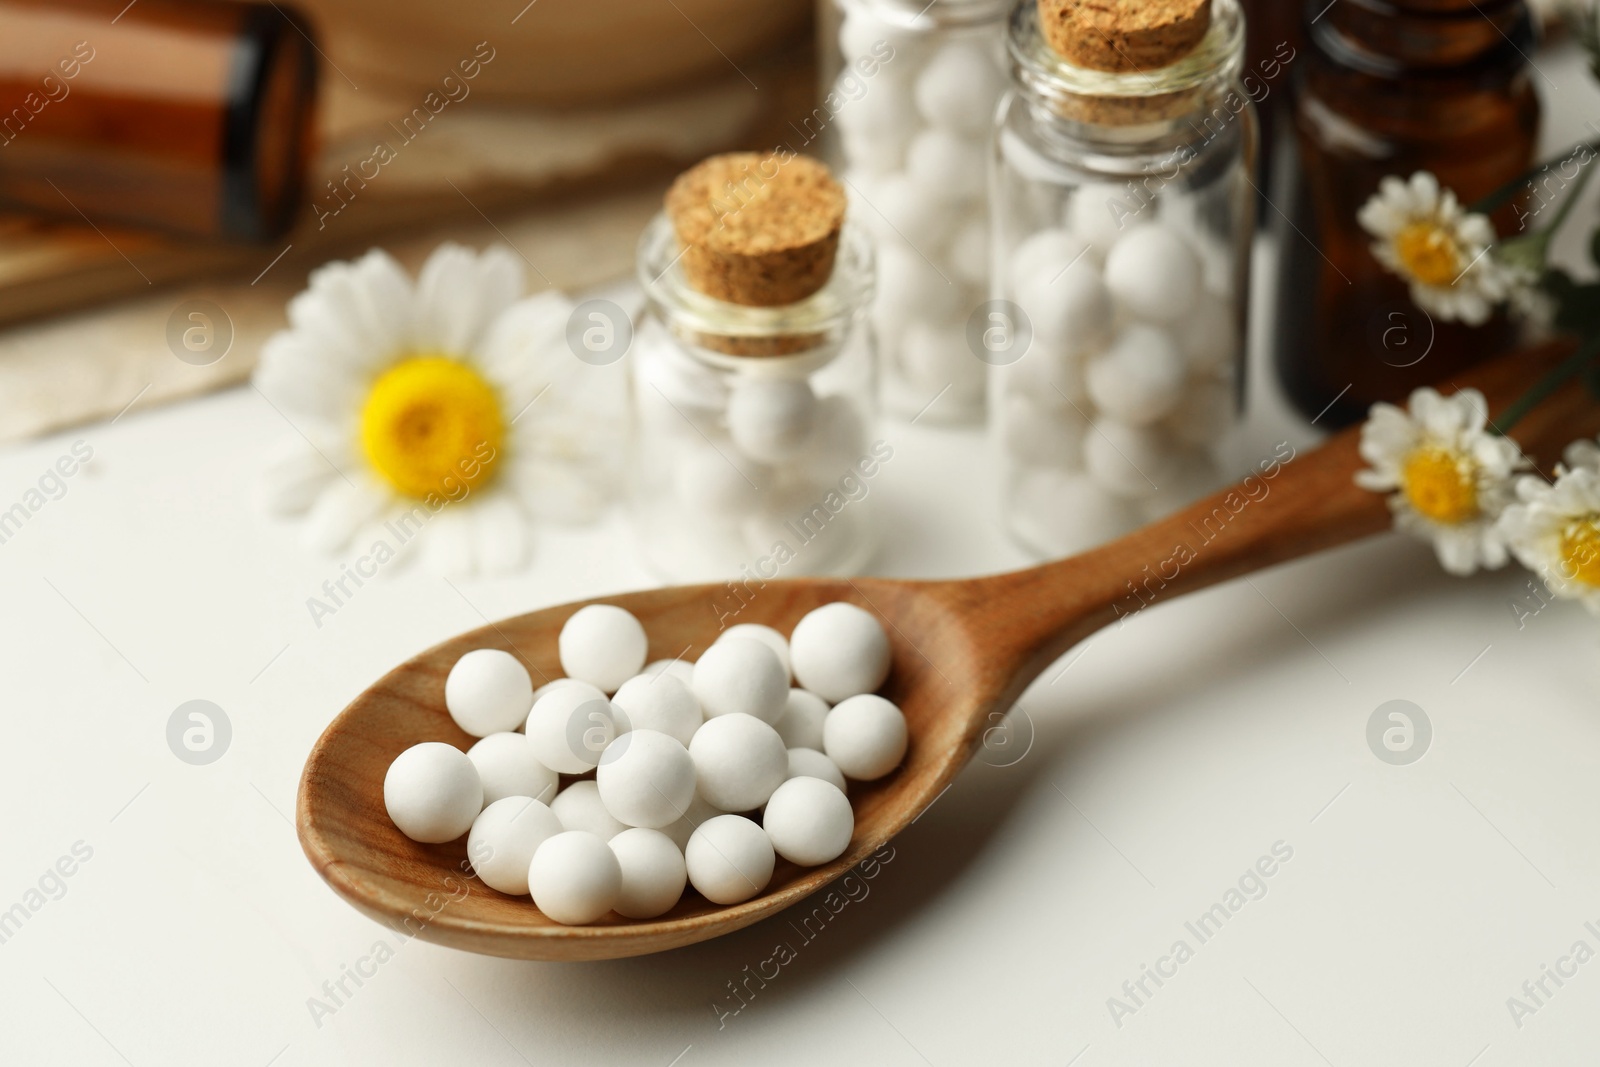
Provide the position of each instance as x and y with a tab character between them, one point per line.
1494	200
1570	368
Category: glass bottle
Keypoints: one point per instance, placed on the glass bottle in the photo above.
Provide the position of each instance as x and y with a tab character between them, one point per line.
726	484
909	89
1122	214
1392	87
180	115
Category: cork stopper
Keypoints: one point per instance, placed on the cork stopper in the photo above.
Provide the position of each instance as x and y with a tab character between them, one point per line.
758	229
1124	36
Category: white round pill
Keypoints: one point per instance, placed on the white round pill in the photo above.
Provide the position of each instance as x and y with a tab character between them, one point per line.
1129	461
741	674
603	645
809	821
838	651
504	838
958	89
579	807
948	165
770	418
800	725
681	669
766	635
720	481
739	760
699	811
1046	252
571	725
865	736
1062	513
896	43
1140	378
1099	213
507	767
653	873
575	878
488	691
1154	273
660	702
1049	374
812	763
900	209
1068	303
554	683
432	793
1035	434
730	859
877	115
646	778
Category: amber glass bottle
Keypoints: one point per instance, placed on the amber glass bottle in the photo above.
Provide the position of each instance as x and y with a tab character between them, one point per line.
183	115
1392	87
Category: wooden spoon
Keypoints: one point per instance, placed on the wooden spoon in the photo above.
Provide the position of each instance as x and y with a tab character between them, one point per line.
962	650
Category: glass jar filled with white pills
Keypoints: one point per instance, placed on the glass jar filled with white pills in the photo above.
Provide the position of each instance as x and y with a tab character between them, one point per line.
754	457
1122	217
909	90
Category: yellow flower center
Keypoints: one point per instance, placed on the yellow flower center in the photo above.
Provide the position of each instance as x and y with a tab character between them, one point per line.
430	425
1439	484
1580	550
1428	253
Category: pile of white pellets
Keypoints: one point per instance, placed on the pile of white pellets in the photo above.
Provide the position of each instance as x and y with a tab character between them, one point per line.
1112	416
914	140
703	773
742	461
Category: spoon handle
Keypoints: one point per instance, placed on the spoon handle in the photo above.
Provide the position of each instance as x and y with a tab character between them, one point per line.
1295	503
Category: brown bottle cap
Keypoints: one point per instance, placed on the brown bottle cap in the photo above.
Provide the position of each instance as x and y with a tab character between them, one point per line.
1124	36
759	229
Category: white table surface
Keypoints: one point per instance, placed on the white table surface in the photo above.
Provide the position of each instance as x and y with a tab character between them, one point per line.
1167	757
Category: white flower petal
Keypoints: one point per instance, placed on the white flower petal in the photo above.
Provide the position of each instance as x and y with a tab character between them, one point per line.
460	294
293	479
1424	193
1581	454
1457	550
303	387
339	512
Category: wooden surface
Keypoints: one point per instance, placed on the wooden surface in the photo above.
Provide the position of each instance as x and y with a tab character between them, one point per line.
961	651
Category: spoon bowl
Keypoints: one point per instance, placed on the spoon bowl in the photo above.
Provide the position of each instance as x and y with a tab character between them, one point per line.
962	652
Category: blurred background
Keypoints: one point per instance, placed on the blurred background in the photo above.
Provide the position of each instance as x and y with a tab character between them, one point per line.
223	149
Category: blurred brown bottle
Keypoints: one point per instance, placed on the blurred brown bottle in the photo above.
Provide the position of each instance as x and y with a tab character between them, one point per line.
181	115
1392	87
1274	41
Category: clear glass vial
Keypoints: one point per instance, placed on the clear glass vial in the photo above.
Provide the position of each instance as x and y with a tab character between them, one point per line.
754	458
909	90
1122	218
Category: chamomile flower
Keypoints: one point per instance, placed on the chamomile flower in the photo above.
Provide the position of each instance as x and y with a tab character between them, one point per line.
1443	252
446	411
1554	529
1448	478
